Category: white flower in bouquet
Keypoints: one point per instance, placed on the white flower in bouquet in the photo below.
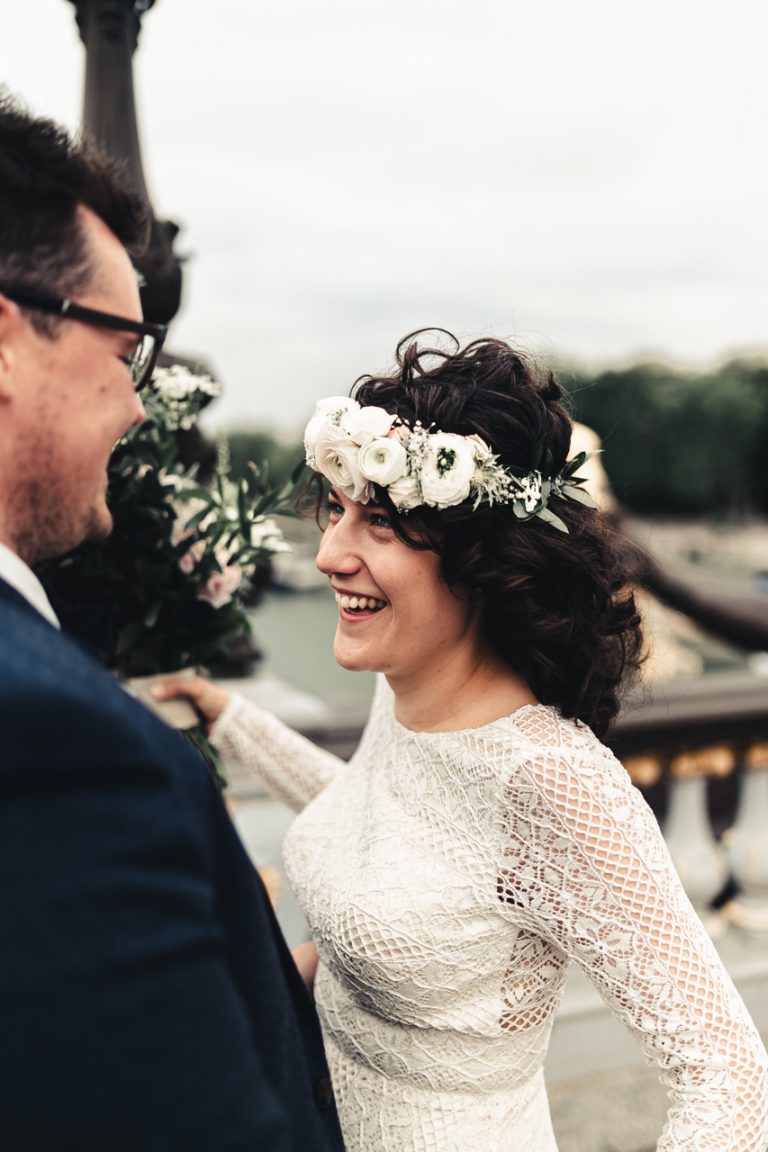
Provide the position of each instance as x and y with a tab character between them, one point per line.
220	587
266	534
184	508
182	393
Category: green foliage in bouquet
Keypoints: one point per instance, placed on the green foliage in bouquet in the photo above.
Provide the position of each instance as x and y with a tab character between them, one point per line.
168	588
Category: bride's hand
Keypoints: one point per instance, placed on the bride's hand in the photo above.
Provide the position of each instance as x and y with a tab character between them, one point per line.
209	699
305	959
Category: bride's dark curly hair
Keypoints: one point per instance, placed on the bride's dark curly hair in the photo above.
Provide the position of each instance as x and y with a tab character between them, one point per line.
556	607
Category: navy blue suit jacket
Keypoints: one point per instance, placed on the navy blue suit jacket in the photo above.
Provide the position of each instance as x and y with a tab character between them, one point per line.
147	999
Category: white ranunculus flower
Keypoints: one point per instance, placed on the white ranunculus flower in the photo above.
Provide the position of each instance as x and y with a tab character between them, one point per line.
447	469
337	458
331	410
405	493
368	423
382	461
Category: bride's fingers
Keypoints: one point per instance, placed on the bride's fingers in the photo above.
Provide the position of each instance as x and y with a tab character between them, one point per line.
209	699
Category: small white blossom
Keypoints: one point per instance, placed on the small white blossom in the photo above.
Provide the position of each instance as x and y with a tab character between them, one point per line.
530	491
181	393
266	534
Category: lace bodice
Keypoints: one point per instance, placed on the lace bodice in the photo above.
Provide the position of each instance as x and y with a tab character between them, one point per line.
449	879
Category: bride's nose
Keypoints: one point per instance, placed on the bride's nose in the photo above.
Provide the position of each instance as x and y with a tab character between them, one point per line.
337	552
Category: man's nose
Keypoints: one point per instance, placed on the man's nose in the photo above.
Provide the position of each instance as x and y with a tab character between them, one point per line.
139	413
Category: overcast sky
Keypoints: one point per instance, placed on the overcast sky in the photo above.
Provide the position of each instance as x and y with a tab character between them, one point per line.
587	177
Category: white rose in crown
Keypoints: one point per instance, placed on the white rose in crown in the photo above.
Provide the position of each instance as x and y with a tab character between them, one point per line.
383	461
405	493
336	456
332	410
367	424
447	469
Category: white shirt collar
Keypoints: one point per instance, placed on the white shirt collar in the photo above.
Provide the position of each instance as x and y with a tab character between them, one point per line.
16	573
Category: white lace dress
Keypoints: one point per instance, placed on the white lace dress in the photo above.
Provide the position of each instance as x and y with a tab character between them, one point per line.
449	879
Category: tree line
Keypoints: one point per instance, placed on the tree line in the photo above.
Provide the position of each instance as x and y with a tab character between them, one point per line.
674	442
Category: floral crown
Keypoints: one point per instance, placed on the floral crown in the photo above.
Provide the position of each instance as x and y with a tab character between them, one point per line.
357	447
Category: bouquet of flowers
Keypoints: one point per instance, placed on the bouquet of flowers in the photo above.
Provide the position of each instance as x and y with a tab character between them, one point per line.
168	588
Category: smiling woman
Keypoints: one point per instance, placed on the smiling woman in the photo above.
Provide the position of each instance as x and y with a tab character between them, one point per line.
482	837
396	613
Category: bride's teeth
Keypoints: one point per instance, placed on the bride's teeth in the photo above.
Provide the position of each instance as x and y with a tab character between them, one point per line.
359	603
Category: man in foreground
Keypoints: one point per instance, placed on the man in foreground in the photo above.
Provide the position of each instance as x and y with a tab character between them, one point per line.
147	999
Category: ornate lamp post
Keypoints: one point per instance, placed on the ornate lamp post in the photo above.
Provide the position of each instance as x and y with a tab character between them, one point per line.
109	30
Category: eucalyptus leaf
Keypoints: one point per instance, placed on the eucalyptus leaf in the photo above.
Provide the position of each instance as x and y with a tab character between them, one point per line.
302	472
152	614
196	493
128	636
579	494
550	518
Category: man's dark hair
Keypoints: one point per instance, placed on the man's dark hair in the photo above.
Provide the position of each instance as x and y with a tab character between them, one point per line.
44	176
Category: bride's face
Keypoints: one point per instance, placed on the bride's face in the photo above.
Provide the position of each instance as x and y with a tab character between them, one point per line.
396	613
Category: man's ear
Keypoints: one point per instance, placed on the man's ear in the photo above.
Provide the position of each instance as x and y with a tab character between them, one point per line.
11	321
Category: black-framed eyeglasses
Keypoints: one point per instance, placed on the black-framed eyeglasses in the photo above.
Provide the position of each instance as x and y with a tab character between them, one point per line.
141	363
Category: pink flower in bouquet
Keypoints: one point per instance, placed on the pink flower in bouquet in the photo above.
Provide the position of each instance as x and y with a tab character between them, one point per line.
221	586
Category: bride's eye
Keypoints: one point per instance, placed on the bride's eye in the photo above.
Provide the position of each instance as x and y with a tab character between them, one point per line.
333	510
380	520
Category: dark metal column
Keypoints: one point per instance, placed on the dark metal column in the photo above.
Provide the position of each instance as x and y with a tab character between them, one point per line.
109	30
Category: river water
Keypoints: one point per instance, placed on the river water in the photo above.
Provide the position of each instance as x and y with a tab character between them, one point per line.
294	631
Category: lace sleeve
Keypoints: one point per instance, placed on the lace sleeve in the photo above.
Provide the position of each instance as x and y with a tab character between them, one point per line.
288	765
585	865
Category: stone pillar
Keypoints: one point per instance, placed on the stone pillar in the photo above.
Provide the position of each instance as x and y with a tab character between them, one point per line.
700	861
747	843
